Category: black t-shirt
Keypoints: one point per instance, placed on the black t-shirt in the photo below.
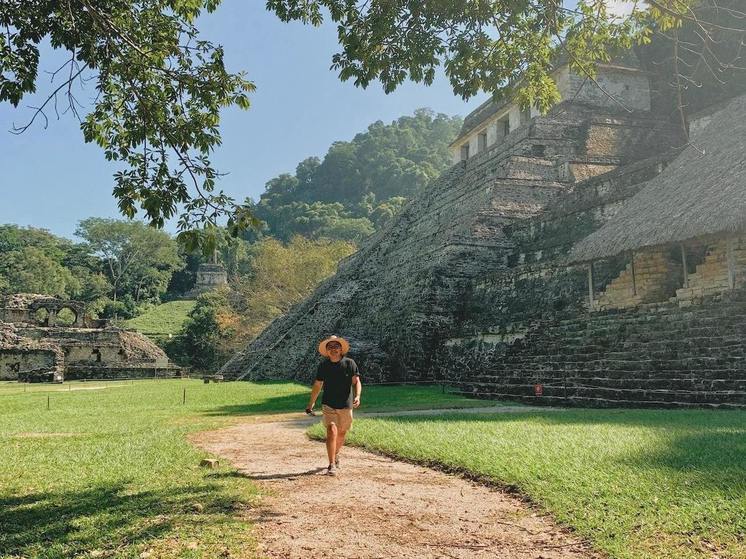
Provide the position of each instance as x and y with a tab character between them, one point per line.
337	379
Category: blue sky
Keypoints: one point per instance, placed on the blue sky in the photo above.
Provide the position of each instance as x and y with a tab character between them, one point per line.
51	179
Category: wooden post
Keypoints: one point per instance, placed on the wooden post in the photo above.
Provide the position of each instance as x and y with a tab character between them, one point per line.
590	284
731	265
634	279
685	266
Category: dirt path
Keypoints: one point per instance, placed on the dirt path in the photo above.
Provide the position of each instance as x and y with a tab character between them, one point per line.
376	507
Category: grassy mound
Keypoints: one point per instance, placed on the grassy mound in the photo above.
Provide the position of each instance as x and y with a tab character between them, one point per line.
164	319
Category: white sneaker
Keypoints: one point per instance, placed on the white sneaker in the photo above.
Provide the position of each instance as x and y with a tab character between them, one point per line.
331	470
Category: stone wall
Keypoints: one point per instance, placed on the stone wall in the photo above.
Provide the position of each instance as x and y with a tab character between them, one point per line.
39	354
536	283
25	359
614	87
22	364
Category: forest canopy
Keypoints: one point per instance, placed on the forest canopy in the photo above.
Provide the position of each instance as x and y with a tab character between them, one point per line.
359	185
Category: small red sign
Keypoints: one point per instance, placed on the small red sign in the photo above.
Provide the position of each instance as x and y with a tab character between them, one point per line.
538	389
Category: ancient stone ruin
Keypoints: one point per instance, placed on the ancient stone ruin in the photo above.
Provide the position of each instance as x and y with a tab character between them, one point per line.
210	275
576	258
46	339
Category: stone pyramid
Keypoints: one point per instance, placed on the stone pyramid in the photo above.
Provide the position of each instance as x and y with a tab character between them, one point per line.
402	296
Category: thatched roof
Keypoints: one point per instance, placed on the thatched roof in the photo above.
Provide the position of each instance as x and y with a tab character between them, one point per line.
702	192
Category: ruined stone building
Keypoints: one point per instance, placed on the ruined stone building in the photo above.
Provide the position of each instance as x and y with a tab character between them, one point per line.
210	275
585	257
44	338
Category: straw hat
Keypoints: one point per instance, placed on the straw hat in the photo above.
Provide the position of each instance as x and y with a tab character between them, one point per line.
344	343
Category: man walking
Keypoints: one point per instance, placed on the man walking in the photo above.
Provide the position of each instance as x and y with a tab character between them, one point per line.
340	379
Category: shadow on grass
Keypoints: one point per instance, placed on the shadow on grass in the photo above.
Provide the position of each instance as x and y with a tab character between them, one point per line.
260	477
62	524
278	404
375	398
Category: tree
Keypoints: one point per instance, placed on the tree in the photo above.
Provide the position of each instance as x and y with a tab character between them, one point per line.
282	276
138	260
281	189
305	172
202	338
352	229
160	89
31	270
14	238
500	46
385	212
35	261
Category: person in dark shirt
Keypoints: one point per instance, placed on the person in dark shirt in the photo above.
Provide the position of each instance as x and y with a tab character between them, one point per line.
340	380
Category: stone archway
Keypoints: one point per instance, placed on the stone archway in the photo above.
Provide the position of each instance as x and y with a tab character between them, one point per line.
41	316
66	316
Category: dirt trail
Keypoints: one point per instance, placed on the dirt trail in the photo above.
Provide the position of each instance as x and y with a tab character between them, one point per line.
376	507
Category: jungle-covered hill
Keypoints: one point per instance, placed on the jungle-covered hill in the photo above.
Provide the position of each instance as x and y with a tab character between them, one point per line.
359	185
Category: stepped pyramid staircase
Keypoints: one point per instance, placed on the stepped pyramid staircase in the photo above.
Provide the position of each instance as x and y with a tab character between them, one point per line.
653	355
711	276
652	277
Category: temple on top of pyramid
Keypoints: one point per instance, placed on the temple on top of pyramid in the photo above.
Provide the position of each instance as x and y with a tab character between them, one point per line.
621	85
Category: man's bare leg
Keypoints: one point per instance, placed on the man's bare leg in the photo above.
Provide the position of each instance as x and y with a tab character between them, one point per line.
340	441
331	442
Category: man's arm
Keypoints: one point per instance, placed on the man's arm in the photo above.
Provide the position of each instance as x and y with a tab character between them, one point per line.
358	386
315	389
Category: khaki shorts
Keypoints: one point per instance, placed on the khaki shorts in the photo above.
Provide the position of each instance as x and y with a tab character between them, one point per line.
341	418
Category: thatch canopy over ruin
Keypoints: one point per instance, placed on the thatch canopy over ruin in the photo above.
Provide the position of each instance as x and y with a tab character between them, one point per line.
702	192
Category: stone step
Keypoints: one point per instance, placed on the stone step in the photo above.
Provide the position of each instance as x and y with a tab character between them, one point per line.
629	396
694	364
657	383
637	333
622	366
734	361
657	355
682	325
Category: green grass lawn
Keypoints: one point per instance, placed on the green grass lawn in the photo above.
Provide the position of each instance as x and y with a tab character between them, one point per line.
162	319
642	484
107	471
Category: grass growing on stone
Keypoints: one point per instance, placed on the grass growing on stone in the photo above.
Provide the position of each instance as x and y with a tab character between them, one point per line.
107	471
638	484
164	319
